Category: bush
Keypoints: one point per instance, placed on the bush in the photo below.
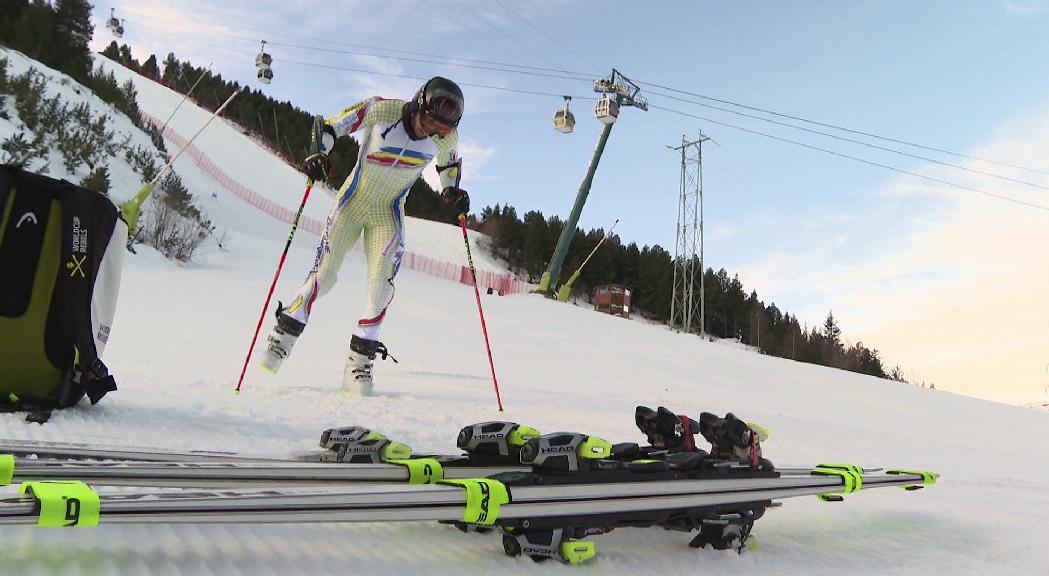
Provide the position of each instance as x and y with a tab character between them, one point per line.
97	180
28	90
5	84
143	161
81	138
18	150
156	136
172	234
129	100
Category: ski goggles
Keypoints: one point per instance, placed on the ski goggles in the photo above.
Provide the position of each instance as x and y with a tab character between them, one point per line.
444	109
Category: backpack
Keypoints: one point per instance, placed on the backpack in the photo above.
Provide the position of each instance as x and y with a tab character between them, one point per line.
61	253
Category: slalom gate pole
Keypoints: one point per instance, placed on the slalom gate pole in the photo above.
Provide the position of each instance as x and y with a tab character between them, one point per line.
283	256
184	98
566	288
130	210
477	294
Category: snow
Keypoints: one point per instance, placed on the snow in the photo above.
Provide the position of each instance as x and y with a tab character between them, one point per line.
181	333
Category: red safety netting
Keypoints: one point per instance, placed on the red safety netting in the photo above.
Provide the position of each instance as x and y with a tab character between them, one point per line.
504	283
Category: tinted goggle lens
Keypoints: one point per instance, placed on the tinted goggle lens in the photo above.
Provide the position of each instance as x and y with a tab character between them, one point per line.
445	110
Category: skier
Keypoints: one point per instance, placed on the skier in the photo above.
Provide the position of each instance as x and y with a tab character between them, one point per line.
398	140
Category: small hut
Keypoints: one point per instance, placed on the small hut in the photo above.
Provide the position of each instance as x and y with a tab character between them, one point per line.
612	299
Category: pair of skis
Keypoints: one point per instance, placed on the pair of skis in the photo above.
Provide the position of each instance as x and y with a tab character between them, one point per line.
545	492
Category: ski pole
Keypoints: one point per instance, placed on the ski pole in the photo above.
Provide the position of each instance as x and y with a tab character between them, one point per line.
283	256
184	98
484	328
131	209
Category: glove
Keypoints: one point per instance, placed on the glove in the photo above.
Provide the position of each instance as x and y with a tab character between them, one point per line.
318	167
457	198
322	138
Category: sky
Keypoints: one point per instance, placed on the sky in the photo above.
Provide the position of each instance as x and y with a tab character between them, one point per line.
945	275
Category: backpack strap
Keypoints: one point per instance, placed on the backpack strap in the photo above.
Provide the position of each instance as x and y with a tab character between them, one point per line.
88	224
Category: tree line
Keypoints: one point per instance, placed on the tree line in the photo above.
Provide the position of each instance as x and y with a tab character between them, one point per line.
58	37
283	128
528	243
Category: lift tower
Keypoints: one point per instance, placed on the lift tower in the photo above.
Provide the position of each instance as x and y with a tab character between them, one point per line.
618	91
683	304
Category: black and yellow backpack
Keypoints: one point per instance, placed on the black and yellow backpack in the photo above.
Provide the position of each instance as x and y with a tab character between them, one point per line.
61	253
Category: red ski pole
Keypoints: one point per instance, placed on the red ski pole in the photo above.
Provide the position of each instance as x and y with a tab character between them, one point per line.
283	256
484	328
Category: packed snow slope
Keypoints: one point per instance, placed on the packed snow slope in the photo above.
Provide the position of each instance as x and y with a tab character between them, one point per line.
182	331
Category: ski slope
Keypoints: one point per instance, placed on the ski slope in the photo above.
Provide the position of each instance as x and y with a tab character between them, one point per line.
181	333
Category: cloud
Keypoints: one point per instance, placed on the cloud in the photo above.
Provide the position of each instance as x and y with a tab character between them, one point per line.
954	287
475	158
1025	8
153	27
961	298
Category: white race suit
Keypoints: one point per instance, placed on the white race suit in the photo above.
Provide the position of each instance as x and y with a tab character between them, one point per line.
371	201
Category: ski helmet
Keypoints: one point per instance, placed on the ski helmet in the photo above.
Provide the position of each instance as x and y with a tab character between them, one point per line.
440	99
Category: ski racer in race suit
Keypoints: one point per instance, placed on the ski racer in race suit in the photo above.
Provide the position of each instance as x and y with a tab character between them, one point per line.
398	140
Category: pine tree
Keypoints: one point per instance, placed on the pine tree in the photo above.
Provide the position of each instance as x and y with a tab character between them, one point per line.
73	33
150	68
112	51
13	17
97	180
126	58
171	68
830	328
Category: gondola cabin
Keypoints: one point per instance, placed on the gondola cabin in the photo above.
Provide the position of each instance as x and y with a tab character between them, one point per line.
606	110
263	64
564	120
115	26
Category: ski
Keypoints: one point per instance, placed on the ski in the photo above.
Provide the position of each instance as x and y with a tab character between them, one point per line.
546	492
356	454
486	442
237	473
541	514
526	496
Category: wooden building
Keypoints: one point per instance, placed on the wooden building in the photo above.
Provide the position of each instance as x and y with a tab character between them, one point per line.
612	299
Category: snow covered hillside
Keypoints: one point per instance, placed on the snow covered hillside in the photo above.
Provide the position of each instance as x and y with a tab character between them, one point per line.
181	333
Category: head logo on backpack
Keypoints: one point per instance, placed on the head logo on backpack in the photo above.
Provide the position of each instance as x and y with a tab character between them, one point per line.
61	254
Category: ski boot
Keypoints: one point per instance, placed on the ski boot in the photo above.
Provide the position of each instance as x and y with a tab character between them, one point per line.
666	430
357	377
734	440
285	333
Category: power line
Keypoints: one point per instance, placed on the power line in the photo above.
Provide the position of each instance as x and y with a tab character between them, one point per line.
528	50
551	37
471	30
531	71
785	140
847	156
643	126
397	75
261	34
859	142
562	74
843	129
